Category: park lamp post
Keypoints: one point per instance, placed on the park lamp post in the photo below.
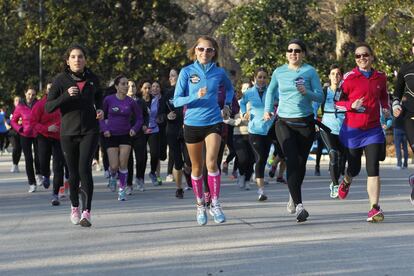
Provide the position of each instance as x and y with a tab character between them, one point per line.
22	12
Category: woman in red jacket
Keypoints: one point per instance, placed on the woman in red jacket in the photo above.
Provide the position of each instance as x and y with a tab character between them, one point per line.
47	126
364	93
28	135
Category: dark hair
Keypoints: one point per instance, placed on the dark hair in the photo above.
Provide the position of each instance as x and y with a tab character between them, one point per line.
258	70
299	42
334	66
366	45
73	47
191	52
118	78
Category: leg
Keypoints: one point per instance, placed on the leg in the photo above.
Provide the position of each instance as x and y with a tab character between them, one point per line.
28	156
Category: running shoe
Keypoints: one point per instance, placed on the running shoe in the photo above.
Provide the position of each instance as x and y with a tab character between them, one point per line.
217	213
375	214
85	220
15	169
107	174
122	194
201	215
140	184
159	181
153	178
75	215
290	207
62	192
169	178
179	193
128	190
301	213
39	180
247	187
241	181
317	171
334	190
272	171
281	180
343	189
225	168
46	182
112	184
32	188
55	200
262	196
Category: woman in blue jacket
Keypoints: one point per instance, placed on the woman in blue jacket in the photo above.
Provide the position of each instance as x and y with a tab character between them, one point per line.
197	89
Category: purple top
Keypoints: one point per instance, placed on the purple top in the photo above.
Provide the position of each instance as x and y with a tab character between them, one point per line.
354	138
118	113
153	112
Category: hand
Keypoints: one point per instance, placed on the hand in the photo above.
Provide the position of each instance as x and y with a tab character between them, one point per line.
267	116
358	104
246	116
202	92
132	133
107	134
226	112
73	91
53	128
99	114
171	116
384	126
396	111
301	88
386	112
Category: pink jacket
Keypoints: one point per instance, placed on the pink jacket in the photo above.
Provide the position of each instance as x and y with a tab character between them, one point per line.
41	120
24	112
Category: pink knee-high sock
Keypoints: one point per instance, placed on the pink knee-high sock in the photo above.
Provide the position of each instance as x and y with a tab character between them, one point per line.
197	183
214	181
123	174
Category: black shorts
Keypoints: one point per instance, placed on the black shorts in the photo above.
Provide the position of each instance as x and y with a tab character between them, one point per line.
117	140
197	134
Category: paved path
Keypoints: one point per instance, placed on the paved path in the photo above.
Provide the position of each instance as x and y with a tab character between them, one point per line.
153	233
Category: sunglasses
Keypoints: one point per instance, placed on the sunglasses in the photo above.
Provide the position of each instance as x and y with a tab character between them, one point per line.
365	55
205	49
295	51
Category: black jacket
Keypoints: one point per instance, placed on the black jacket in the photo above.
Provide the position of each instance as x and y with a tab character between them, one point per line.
78	113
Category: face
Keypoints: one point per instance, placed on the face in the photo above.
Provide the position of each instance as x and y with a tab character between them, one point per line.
261	79
132	89
76	61
16	101
30	95
146	88
173	77
155	89
205	51
294	54
363	58
48	86
335	76
122	86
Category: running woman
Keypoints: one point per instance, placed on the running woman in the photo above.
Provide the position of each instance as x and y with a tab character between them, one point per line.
259	130
15	140
364	94
296	85
197	88
118	109
77	93
403	105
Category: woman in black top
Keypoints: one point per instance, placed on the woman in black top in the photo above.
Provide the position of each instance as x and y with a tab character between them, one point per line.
76	92
403	105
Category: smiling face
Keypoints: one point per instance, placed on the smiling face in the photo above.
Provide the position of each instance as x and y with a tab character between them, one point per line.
261	79
76	61
155	89
205	51
122	86
335	76
294	54
30	95
364	58
145	89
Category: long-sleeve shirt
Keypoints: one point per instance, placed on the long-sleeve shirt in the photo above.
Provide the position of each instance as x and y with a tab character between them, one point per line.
41	120
282	88
119	113
202	111
404	88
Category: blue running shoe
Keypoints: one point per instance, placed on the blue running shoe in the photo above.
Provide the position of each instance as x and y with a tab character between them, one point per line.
122	194
112	184
201	215
217	213
46	182
153	178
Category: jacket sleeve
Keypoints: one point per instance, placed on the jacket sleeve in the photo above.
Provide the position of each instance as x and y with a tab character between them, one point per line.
36	116
344	104
56	97
15	120
316	93
243	101
138	117
102	123
400	84
272	93
180	90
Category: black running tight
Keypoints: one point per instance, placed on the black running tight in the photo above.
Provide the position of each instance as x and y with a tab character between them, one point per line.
373	153
245	155
261	146
27	143
337	154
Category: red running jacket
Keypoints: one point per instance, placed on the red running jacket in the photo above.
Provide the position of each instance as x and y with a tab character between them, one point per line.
374	90
23	112
41	120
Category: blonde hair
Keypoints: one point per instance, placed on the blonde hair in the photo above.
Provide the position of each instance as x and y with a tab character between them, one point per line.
191	52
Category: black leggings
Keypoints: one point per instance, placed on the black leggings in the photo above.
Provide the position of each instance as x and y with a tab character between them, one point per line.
337	154
245	155
47	147
296	142
177	148
373	153
79	151
319	149
230	144
409	129
261	146
27	144
3	137
17	148
139	146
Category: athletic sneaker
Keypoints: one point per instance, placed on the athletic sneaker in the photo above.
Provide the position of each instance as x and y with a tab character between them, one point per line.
140	184
201	215
46	182
169	178
317	171
272	171
301	214
179	193
159	181
32	188
375	214
85	220
112	183
217	213
290	207
39	180
75	215
262	196
343	189
15	169
281	180
241	181
225	168
62	192
107	174
128	190
247	187
153	178
234	175
122	194
334	190
55	200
